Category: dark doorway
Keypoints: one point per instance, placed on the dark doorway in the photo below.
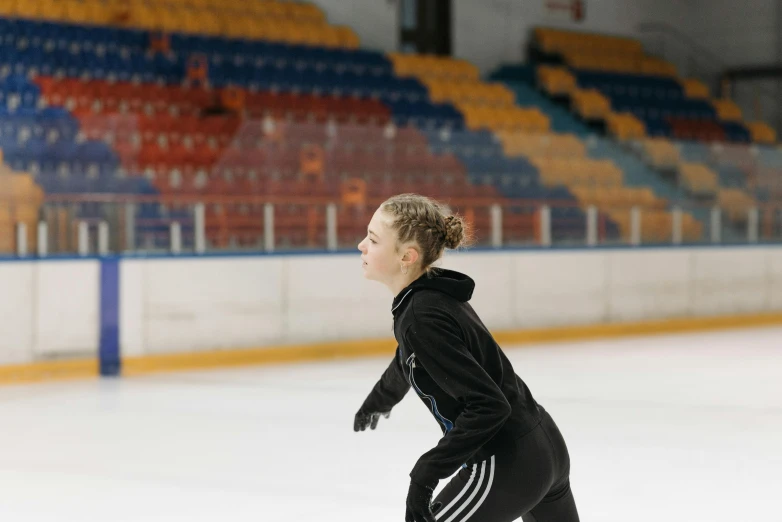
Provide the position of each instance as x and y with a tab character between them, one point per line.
425	26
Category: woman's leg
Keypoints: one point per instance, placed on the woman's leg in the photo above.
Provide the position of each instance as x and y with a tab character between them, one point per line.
501	488
558	507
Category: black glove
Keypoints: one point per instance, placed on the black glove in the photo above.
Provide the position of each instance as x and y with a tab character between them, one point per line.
419	500
364	419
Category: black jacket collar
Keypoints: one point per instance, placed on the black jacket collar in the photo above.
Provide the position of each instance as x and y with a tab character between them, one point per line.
454	284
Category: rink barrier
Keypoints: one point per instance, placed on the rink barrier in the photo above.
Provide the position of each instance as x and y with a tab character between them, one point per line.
79	318
108	344
150	364
377	347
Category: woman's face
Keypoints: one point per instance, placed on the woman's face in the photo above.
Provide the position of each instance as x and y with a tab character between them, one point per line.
379	256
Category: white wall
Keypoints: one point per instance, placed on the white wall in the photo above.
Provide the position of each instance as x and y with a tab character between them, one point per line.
375	21
200	304
489	33
738	32
743	34
51	309
48	309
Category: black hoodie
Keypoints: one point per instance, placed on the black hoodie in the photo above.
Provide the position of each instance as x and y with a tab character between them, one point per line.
450	359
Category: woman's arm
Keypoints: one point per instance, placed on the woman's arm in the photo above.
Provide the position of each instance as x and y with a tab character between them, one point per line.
389	390
439	348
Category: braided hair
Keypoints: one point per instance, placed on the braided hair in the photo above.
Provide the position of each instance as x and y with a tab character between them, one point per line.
422	220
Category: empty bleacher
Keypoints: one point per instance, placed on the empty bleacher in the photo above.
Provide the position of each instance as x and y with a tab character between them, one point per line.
114	107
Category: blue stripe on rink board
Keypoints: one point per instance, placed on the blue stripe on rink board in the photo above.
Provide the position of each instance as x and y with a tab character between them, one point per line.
108	351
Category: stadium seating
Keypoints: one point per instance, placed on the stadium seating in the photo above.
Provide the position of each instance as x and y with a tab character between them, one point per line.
484	105
672	123
270	20
637	87
308	115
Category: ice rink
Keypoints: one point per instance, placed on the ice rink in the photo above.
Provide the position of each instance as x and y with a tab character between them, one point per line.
672	428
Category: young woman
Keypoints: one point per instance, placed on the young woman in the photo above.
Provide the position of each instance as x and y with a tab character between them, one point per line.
513	459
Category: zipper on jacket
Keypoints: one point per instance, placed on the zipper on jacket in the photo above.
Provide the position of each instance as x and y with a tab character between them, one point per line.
446	424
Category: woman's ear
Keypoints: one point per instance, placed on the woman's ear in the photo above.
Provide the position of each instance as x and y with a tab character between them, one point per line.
410	256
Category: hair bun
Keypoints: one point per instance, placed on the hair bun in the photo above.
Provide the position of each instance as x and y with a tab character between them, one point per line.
454	232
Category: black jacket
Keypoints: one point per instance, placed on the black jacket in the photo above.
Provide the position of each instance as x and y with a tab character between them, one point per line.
452	362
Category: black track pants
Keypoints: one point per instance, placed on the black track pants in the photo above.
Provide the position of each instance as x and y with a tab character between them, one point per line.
530	482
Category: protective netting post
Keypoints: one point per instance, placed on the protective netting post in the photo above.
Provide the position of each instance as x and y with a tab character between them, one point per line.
130	227
496	226
103	238
545	225
268	227
677	226
43	239
176	238
83	239
591	231
716	225
199	219
21	239
331	227
635	226
753	221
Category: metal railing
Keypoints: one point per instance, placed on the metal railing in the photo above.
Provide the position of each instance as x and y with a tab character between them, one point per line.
193	226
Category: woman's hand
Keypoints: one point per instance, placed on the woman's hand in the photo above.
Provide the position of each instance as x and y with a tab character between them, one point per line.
419	500
370	419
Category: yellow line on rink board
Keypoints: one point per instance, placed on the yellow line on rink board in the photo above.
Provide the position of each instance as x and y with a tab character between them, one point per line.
49	371
640	328
88	368
256	356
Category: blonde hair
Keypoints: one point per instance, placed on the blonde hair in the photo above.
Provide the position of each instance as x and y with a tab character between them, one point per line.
422	220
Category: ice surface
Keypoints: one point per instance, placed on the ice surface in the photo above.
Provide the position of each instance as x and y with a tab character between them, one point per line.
670	428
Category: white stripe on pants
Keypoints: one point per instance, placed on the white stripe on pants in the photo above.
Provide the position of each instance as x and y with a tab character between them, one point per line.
483	479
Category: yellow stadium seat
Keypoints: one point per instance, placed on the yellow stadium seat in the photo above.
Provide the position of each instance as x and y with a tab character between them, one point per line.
348	39
77	12
98	13
661	153
171	19
144	16
555	80
698	179
544	144
657	67
625	126
554	41
762	132
727	109
210	25
695	89
8	8
310	13
590	104
28	9
279	9
316	34
735	203
329	37
275	32
240	27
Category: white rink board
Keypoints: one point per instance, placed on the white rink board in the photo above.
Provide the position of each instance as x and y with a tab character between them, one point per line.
16	310
168	305
49	309
224	302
